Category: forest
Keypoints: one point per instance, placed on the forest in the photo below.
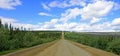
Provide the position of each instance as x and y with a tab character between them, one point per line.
110	43
12	38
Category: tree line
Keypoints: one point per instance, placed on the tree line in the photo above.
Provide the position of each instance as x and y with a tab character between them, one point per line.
14	38
110	43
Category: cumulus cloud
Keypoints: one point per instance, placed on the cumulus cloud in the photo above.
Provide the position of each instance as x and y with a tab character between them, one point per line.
93	12
58	4
9	4
50	25
116	6
116	21
45	6
77	2
70	14
66	26
95	20
86	27
65	3
26	25
7	20
115	24
97	9
15	23
44	14
71	26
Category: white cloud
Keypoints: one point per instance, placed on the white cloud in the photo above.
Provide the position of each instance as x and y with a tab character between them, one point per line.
9	4
66	3
116	28
115	24
86	27
95	20
72	26
92	12
58	4
70	14
97	0
66	26
77	2
27	26
54	21
116	21
44	14
97	9
45	6
7	20
82	27
116	6
49	25
15	23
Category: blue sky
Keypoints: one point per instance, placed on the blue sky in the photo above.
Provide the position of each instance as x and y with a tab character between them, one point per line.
68	15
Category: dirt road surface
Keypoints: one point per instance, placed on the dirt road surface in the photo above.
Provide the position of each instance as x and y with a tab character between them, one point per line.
61	48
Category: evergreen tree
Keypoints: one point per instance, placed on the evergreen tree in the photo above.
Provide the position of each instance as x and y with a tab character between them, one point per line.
0	23
11	31
6	26
21	29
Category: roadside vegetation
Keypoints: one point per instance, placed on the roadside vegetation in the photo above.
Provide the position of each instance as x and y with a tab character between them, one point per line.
110	43
12	38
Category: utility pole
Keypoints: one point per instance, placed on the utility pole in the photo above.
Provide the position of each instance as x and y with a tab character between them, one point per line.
62	35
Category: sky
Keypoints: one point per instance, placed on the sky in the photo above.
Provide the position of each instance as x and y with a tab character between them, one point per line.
65	15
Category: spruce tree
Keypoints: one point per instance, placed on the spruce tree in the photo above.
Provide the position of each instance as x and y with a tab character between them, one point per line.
11	30
0	23
6	26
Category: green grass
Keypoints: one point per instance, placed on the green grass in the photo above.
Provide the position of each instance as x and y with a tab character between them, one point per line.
10	51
